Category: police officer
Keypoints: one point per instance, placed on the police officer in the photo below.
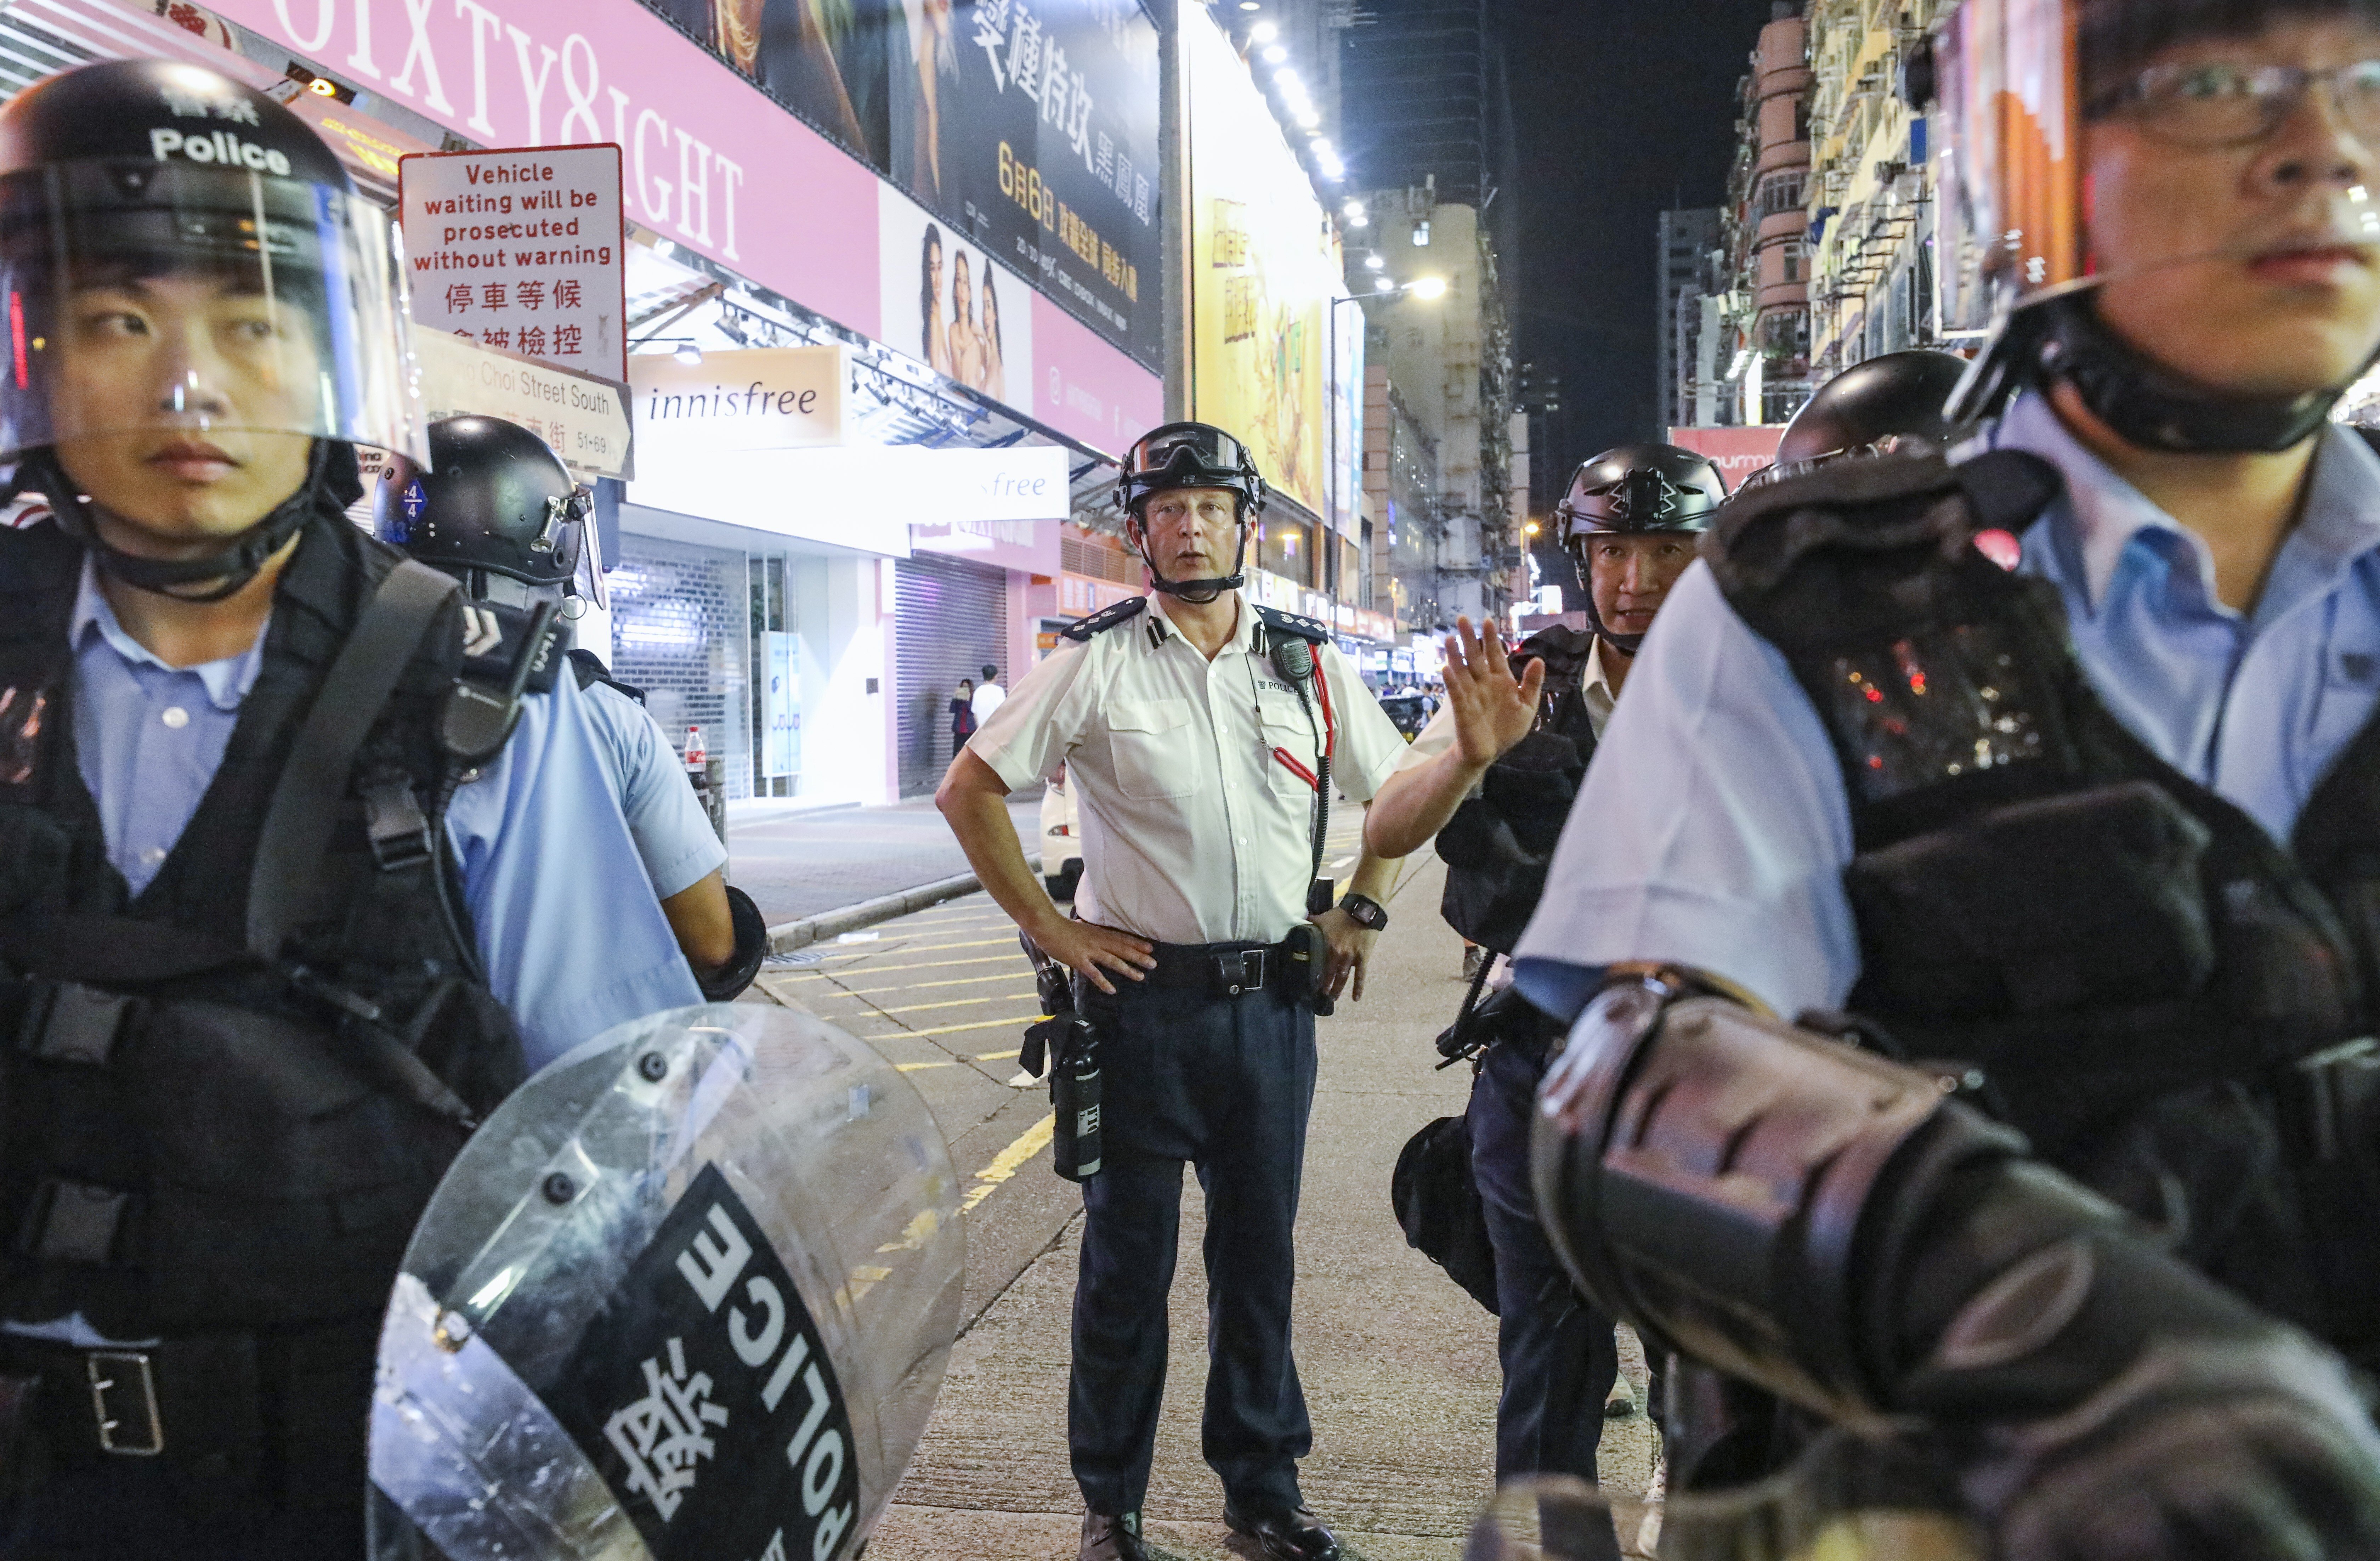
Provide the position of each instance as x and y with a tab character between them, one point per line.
499	511
2092	832
1630	520
265	954
1202	736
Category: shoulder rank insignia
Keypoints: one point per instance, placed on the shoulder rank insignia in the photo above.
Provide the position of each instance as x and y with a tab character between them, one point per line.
494	636
1081	629
1313	630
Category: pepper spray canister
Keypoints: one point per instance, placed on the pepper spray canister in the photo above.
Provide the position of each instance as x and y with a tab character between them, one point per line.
1074	1096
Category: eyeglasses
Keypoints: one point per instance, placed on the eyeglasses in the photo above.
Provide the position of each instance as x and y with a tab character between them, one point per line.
2223	103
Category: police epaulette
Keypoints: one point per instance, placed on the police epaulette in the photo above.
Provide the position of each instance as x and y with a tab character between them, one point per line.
1107	617
491	638
1313	630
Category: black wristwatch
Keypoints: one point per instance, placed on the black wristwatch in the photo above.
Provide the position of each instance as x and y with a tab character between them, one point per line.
1365	911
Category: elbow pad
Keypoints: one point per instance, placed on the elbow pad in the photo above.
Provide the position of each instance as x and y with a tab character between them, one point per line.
723	984
1732	1186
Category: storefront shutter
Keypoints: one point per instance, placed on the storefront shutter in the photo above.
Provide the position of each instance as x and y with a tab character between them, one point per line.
953	622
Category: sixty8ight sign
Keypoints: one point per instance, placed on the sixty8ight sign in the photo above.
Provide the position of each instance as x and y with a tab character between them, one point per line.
520	251
704	1395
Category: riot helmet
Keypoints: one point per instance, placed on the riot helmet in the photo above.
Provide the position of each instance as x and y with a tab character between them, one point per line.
1635	490
1191	454
196	297
2035	258
1884	404
496	509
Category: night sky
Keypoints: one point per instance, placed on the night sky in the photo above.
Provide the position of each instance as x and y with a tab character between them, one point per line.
1620	109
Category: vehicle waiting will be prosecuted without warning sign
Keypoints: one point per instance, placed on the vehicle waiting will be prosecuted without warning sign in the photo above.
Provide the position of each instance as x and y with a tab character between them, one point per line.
521	250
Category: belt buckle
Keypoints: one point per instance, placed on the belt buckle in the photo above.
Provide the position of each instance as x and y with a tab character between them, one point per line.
1242	971
107	1370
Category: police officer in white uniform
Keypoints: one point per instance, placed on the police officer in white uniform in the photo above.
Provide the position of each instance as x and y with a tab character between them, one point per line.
1203	737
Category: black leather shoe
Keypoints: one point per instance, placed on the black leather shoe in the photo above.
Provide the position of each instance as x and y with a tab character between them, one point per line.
1287	1533
1107	1537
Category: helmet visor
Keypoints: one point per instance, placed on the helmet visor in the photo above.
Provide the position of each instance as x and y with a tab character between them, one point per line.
199	308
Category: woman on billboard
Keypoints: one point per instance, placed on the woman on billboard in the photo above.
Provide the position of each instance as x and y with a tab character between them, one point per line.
966	346
930	302
994	383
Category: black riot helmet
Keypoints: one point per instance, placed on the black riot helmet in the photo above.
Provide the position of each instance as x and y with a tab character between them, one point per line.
269	294
1885	404
2008	86
1641	488
1192	455
1631	491
495	504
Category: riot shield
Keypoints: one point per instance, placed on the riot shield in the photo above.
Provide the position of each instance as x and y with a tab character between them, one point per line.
1848	1498
688	1292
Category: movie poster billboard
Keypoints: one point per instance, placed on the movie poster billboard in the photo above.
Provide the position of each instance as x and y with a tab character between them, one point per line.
1263	272
1027	126
949	305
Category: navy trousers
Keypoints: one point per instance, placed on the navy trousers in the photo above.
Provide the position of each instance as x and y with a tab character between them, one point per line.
1223	1084
1558	1354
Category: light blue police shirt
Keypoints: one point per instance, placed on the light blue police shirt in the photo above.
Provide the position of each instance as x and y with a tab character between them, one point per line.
572	938
1714	828
672	833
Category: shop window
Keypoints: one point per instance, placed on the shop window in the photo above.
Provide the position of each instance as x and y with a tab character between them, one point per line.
1287	550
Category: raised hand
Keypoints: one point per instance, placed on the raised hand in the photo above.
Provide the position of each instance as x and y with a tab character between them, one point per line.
1493	710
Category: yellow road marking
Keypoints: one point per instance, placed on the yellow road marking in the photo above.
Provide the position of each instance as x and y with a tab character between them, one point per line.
955	1003
937	964
920	1067
922	986
997	1056
899	945
1009	1161
984	1024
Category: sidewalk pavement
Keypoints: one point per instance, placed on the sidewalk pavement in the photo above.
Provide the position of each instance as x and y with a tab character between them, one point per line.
799	863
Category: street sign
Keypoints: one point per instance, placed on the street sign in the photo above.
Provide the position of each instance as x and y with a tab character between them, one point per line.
584	418
521	250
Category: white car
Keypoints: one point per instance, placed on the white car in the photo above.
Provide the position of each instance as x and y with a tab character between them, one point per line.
1062	840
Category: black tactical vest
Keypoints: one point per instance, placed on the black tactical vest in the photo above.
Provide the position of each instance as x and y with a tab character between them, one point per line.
2149	986
193	1138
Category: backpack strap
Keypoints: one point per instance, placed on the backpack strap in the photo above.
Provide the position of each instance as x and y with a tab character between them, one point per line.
305	803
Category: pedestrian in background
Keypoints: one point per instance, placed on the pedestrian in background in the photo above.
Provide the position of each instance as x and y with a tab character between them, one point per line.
962	715
987	695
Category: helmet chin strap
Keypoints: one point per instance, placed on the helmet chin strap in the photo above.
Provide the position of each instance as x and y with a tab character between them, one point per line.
1196	593
330	475
2152	406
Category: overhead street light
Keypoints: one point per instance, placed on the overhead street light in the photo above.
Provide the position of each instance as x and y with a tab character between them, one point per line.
1427	288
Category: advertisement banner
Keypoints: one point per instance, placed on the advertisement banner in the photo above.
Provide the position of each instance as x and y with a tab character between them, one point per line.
763	399
713	164
1738	452
1262	272
520	249
1028	126
584	418
946	304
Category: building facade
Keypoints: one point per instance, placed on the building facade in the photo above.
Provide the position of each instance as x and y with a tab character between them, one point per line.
1445	347
1871	195
1765	225
1688	243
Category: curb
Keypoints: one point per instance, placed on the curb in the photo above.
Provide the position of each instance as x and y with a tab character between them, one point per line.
787	936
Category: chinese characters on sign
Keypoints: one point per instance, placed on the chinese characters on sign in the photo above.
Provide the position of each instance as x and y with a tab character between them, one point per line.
521	250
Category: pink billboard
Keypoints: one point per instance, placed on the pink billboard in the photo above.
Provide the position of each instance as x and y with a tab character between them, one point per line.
708	161
1737	452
